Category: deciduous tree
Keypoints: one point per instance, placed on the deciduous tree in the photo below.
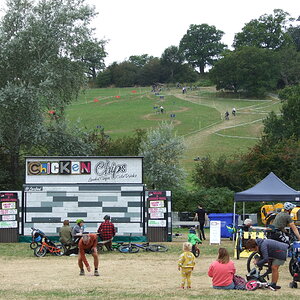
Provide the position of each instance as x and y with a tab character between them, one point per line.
201	45
268	32
41	66
161	150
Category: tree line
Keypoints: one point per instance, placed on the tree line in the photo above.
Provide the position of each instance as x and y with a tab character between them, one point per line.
265	56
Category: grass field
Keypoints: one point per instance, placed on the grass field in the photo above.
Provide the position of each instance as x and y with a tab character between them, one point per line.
144	275
199	117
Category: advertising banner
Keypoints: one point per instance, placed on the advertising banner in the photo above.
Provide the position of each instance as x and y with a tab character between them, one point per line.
89	170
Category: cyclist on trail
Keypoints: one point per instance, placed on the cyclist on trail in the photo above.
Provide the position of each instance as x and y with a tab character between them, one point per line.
227	115
282	220
269	249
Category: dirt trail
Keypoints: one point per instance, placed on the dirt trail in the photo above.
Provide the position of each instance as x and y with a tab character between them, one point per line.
192	139
153	116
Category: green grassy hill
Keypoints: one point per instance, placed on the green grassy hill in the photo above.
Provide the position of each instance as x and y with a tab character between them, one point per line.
199	117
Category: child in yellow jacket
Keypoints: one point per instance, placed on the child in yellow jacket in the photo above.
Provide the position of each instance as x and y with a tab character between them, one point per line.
186	264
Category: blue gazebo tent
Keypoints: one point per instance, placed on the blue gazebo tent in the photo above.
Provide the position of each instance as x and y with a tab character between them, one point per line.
271	188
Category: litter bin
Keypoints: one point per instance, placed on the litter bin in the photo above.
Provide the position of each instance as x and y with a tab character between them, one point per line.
226	219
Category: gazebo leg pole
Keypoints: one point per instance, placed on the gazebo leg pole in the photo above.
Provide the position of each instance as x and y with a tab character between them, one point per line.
234	225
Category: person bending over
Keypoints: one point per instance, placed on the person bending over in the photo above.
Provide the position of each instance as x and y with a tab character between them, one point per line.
269	249
88	242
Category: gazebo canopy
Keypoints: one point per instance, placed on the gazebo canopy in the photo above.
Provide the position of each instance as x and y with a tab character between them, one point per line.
271	188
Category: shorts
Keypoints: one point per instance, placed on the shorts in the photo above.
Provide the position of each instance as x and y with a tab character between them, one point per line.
278	262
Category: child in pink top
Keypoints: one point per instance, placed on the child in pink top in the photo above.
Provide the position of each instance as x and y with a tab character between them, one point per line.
222	271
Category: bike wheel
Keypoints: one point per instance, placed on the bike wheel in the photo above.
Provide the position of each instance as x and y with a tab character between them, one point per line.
238	247
292	266
128	249
196	252
158	248
61	249
33	245
252	285
40	251
250	261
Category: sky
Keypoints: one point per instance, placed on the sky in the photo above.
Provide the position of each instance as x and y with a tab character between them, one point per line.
136	27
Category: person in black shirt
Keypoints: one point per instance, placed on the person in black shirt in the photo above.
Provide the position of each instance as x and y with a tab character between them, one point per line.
201	217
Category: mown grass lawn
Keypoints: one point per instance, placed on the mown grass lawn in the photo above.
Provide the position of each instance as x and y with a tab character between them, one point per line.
143	275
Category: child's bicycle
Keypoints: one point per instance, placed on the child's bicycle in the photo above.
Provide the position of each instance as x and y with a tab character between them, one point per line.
196	250
48	246
256	281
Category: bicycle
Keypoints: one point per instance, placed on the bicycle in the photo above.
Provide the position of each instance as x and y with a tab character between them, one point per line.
114	246
294	265
134	247
256	281
48	246
238	233
239	242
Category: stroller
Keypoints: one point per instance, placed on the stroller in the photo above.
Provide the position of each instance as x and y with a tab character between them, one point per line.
294	265
36	238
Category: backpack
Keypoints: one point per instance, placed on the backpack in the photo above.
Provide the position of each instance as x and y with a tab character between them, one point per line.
239	282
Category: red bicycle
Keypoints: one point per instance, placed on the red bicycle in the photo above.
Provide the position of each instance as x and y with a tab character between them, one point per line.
48	246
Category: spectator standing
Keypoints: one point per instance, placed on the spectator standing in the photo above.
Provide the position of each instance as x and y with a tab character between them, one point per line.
88	243
201	216
107	231
222	271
